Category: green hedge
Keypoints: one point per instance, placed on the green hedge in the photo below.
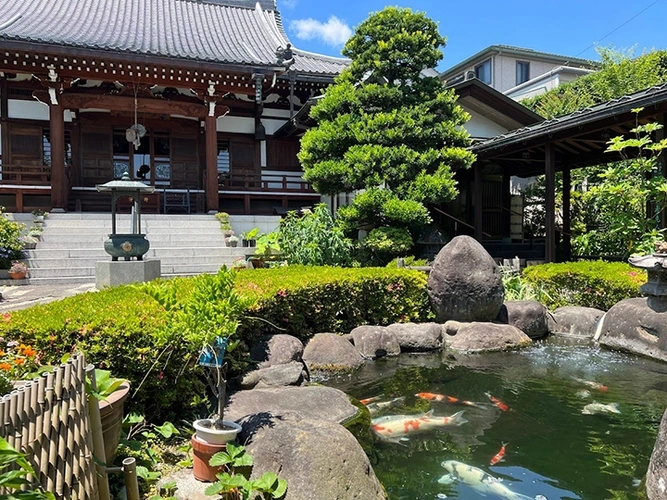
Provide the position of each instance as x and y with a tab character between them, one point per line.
122	328
302	300
586	283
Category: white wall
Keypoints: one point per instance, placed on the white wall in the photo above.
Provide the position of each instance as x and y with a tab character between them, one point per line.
31	110
481	127
504	71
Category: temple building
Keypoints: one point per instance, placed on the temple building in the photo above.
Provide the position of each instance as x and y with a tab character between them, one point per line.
194	97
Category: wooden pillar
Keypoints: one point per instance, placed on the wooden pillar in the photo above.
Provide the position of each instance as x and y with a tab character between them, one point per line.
212	200
662	160
58	176
477	202
567	238
506	211
550	203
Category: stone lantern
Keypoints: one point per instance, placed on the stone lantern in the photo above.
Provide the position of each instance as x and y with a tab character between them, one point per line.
655	289
127	246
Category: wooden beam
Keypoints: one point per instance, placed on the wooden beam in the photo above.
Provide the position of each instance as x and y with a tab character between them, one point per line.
58	177
550	203
567	238
477	199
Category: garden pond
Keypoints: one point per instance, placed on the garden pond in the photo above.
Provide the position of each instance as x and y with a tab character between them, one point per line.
553	450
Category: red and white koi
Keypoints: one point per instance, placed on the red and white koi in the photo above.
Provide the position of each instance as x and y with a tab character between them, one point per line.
442	398
398	427
497	402
500	456
370	400
592	384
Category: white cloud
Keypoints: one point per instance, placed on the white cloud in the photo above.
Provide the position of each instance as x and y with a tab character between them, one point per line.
288	4
334	32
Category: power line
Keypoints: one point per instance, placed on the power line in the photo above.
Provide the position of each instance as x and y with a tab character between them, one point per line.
618	27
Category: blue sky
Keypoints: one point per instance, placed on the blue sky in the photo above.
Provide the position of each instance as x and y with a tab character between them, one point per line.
566	27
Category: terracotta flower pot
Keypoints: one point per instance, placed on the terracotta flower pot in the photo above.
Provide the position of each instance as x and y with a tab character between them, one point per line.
111	413
18	275
203	452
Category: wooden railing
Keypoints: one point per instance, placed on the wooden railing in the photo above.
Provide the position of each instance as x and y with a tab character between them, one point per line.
264	182
26	175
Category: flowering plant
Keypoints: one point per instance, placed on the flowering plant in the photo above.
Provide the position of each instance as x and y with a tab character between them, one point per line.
18	267
20	361
40	213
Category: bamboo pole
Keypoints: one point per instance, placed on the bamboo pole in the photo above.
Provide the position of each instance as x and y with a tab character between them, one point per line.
47	464
98	439
40	404
54	460
69	414
91	479
62	466
131	482
81	460
12	419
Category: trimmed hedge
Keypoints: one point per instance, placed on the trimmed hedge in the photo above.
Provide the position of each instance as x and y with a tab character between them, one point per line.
122	328
586	283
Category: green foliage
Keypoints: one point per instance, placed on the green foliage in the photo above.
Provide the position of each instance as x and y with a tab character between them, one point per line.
314	239
13	471
236	484
106	384
618	75
409	261
585	283
384	243
10	240
6	385
251	235
268	244
302	301
223	218
384	126
518	288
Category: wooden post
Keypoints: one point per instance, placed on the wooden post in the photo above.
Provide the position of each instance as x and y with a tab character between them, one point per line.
550	203
212	201
567	188
58	177
477	200
662	160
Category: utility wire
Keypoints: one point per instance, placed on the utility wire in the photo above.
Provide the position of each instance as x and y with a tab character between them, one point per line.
618	27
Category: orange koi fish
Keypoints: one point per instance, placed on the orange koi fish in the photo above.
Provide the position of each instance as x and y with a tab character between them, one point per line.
497	402
500	456
593	385
443	398
369	400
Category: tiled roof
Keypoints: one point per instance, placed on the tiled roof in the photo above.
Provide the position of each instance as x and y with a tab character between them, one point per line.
246	32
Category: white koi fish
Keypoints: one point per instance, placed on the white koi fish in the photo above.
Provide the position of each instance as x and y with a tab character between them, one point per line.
397	427
592	384
595	407
478	480
375	407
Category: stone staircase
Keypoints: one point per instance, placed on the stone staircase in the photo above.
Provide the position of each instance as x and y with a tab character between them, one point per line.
72	243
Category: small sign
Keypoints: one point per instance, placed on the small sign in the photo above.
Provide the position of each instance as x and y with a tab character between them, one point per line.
212	356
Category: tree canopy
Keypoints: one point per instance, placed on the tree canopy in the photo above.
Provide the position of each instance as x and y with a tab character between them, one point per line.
386	126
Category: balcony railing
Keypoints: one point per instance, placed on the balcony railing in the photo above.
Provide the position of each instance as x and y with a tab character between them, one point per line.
264	182
25	175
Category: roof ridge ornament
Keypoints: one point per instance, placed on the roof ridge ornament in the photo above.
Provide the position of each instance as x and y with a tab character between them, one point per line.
285	56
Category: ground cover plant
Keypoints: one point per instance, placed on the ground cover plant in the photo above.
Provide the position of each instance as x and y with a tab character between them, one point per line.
596	284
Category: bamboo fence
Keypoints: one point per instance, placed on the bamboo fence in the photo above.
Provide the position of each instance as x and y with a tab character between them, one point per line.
48	420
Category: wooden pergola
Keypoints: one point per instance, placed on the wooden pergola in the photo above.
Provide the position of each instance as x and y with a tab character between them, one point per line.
565	143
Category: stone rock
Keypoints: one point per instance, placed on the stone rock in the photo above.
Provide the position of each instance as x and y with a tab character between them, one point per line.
486	337
417	337
293	373
328	351
574	320
318	459
465	283
276	350
636	325
656	477
375	341
314	402
529	316
451	327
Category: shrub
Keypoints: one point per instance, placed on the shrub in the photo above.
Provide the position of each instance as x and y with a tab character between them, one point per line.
586	283
301	300
384	243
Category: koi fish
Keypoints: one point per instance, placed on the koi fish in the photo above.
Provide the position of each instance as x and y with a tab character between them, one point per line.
595	407
478	480
396	427
497	402
593	385
500	456
374	408
583	393
370	400
443	398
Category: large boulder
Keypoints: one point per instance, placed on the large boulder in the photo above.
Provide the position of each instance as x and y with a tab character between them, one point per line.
465	283
638	326
529	316
293	373
417	337
316	402
656	477
375	341
276	350
486	337
317	458
575	321
331	352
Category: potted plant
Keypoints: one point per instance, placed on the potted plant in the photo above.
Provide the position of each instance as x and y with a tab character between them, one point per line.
18	271
250	237
225	225
36	232
232	241
39	215
28	242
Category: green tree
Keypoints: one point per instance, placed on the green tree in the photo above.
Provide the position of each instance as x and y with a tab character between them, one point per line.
385	128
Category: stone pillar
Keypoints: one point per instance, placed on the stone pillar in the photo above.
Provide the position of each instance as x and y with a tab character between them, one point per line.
212	201
550	203
58	176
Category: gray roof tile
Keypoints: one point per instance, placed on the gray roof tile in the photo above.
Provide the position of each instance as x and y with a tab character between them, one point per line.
221	31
